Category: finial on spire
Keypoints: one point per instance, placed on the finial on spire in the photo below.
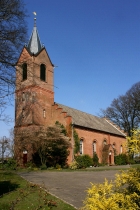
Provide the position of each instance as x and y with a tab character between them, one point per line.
35	14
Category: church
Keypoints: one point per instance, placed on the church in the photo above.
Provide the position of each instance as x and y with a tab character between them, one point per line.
35	107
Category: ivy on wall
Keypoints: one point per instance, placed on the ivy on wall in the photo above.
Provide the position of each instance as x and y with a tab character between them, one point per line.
64	131
76	142
75	136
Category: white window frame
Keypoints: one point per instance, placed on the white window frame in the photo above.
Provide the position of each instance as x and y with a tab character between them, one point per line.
81	146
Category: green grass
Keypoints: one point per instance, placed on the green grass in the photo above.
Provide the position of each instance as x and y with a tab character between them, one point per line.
18	194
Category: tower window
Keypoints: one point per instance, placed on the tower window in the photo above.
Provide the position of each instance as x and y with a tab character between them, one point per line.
23	96
44	113
42	72
24	71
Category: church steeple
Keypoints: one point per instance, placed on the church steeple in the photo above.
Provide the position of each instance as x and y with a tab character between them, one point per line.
34	45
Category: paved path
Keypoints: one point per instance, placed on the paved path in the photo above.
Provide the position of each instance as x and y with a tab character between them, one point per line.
69	186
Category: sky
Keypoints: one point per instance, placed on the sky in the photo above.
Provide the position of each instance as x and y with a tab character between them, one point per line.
95	45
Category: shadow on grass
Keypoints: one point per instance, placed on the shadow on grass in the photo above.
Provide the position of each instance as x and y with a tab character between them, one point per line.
7	186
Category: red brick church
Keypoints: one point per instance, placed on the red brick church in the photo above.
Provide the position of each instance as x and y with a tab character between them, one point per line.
35	106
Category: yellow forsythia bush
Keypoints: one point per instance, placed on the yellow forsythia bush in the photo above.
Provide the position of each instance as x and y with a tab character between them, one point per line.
123	193
73	165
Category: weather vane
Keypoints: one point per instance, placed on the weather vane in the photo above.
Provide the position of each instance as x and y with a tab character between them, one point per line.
35	14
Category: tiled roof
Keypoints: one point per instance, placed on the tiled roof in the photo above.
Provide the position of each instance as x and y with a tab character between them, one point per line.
90	121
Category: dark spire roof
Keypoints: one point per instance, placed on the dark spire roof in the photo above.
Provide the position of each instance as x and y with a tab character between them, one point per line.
34	45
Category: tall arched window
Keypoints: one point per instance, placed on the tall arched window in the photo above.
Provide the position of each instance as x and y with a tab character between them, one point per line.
81	146
121	149
24	71
104	142
94	146
44	113
42	72
114	145
23	96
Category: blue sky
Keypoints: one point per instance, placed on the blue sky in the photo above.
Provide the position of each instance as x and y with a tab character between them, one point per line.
96	46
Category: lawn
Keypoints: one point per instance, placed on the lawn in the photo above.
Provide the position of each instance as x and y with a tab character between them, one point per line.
18	194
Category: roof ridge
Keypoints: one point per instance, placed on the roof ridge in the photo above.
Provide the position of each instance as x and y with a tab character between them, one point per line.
115	126
78	110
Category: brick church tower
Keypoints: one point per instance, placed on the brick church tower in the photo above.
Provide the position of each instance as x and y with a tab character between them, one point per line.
34	93
35	107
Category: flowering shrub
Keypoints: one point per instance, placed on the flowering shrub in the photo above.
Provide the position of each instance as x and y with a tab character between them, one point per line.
123	194
74	165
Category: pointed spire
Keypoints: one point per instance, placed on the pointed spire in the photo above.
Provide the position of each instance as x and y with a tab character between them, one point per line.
34	44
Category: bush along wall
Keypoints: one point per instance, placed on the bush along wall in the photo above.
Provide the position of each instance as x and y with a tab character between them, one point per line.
84	161
95	159
123	159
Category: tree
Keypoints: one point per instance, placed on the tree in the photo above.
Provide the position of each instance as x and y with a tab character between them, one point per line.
13	32
6	147
11	142
133	142
4	144
125	110
49	143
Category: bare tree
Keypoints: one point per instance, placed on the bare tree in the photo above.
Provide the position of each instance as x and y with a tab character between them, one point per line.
125	110
4	144
13	32
7	145
11	142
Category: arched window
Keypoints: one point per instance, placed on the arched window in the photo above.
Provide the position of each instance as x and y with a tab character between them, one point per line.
114	145
94	146
104	142
81	146
23	96
44	113
121	149
24	71
42	72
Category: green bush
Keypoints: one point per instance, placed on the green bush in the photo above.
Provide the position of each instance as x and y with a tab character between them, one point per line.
84	161
137	160
95	159
10	163
43	167
30	165
121	159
